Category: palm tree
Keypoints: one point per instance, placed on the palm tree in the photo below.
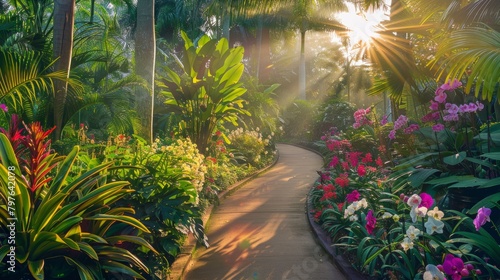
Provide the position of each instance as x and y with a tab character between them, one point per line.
472	47
145	56
64	11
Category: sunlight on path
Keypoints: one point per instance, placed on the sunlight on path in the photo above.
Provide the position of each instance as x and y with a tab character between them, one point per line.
261	231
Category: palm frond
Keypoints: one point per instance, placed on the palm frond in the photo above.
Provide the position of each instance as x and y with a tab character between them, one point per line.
21	79
473	52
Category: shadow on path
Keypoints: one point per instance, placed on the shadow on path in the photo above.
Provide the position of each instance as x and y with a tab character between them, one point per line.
261	230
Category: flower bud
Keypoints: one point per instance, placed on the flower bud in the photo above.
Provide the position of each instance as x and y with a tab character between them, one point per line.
464	272
478	272
469	266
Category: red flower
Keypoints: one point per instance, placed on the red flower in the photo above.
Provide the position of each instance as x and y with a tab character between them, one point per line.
361	170
367	158
317	215
329	188
353	158
345	165
328	195
342	180
214	160
340	205
379	162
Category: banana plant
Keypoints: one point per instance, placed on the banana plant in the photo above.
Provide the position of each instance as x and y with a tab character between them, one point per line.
68	229
208	92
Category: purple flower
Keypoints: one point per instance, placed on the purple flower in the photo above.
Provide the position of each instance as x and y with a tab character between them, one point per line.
400	122
452	108
450	117
371	221
438	127
4	107
353	196
480	106
483	216
384	120
411	128
392	134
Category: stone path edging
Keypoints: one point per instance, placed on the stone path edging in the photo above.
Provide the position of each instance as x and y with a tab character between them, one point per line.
184	258
325	240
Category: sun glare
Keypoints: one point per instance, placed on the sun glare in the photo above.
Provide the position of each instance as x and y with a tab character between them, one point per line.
363	26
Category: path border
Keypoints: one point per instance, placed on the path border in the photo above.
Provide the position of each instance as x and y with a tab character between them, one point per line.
322	236
178	267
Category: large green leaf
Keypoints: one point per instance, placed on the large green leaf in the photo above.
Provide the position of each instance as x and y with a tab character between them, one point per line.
418	177
455	159
123	219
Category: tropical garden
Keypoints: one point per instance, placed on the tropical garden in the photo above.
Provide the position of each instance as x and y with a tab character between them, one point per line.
121	122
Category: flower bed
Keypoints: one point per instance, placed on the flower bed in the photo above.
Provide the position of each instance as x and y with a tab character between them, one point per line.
387	227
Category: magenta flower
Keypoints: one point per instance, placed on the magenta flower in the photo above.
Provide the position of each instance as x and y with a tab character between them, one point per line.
334	162
483	216
411	128
4	107
434	105
353	196
454	267
427	200
440	96
451	85
438	127
371	221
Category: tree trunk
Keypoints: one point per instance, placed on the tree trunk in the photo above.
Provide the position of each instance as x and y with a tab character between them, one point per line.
302	67
145	55
64	11
264	53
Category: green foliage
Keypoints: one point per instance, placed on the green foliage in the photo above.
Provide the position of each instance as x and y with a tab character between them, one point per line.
207	93
68	229
167	177
249	144
297	119
262	106
334	113
475	53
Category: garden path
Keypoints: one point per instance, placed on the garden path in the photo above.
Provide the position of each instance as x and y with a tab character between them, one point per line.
261	230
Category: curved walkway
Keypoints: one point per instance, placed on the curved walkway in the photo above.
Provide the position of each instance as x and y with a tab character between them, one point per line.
261	230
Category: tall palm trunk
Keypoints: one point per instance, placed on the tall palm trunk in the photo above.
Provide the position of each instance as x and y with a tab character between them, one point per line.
263	52
302	66
145	54
64	11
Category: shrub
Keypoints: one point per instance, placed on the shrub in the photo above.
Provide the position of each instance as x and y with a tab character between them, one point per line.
62	228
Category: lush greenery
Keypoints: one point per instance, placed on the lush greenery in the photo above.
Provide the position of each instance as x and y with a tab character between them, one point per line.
97	122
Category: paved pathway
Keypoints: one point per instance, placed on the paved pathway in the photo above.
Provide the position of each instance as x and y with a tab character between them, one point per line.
261	230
